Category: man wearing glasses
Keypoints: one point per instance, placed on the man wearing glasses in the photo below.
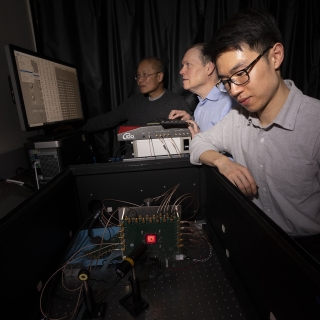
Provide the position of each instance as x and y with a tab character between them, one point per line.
274	136
153	101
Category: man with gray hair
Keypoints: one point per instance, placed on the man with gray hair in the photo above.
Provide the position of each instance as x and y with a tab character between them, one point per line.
199	76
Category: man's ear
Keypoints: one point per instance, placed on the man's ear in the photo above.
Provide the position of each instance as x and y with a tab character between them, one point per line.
277	55
210	67
160	76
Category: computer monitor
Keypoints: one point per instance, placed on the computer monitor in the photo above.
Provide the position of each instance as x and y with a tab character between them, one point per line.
46	91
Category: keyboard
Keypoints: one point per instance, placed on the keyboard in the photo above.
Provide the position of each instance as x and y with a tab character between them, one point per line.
170	123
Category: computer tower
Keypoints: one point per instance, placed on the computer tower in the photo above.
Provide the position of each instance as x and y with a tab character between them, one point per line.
47	158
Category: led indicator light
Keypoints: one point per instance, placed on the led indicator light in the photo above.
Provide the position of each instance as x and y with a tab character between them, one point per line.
151	238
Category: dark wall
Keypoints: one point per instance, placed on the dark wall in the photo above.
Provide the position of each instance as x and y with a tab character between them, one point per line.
106	40
15	27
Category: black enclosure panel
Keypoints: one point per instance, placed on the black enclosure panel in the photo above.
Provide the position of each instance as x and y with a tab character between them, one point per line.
270	274
33	240
132	182
278	275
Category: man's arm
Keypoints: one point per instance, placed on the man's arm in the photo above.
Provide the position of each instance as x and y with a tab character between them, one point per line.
235	172
106	120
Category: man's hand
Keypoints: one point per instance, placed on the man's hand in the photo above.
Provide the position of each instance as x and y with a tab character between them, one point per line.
193	128
183	115
240	177
233	171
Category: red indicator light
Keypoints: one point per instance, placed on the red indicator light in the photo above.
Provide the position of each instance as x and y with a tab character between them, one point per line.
151	238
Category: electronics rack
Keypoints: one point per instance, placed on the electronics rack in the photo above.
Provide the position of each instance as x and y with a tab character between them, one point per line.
129	133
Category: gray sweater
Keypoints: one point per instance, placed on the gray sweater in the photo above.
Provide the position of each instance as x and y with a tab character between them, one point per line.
138	110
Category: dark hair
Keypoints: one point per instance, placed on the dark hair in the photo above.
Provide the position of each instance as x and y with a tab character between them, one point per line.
155	62
254	27
203	57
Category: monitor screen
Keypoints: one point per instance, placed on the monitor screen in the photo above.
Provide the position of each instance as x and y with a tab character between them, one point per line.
45	91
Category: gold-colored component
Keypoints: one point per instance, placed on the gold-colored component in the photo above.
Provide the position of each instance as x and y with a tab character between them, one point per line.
130	261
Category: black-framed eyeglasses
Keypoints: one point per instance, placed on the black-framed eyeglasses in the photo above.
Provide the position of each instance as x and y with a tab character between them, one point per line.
144	75
240	77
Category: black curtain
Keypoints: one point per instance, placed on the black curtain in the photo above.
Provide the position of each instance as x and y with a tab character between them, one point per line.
106	39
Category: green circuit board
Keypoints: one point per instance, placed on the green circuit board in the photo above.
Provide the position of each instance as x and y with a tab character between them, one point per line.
160	233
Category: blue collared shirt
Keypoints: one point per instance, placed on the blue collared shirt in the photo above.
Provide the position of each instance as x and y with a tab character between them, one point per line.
213	108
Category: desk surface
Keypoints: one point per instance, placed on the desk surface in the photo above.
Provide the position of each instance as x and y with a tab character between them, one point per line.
183	290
